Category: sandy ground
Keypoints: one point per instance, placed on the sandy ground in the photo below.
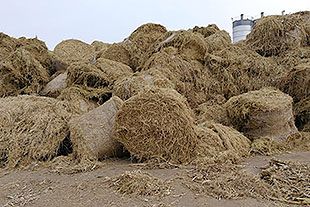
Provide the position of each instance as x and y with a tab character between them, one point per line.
45	188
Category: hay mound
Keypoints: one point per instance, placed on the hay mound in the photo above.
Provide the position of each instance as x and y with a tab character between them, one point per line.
272	35
32	128
263	113
281	176
302	113
140	183
131	85
71	50
7	45
91	133
220	144
157	124
206	31
147	34
297	82
239	70
100	46
118	52
79	99
55	86
218	41
189	44
293	57
21	73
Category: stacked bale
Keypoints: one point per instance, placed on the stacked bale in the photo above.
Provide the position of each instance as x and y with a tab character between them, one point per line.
92	135
71	50
272	35
263	113
32	129
157	124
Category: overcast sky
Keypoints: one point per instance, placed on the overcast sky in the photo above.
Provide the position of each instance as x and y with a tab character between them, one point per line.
112	21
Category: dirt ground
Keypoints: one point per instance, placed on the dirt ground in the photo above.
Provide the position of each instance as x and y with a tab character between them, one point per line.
42	187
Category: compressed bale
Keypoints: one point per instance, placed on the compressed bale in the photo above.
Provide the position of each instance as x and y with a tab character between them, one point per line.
21	73
92	133
297	82
302	114
206	31
219	143
55	86
32	128
272	35
133	84
157	124
71	50
263	113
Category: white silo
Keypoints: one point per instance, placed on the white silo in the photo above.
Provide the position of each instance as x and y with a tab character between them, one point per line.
241	28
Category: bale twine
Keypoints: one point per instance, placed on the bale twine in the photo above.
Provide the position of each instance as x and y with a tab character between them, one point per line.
302	114
206	31
218	143
33	128
272	35
263	113
133	84
21	73
297	82
71	50
92	133
157	124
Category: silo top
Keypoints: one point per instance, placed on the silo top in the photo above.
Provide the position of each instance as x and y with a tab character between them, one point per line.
243	22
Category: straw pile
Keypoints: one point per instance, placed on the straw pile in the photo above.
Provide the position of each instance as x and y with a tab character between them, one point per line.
140	183
21	73
71	50
131	85
32	128
218	41
272	35
7	45
91	133
163	127
100	46
206	31
220	144
118	52
297	82
263	113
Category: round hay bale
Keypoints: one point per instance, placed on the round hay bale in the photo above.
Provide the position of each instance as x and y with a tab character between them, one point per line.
272	35
132	85
79	99
71	50
21	73
190	45
218	143
206	31
297	82
218	41
33	128
302	114
92	133
147	34
157	124
263	113
117	52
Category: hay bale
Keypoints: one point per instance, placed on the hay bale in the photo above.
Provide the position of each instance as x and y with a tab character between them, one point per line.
32	128
7	45
21	73
91	133
71	50
206	31
218	143
302	114
157	124
118	52
212	112
272	35
140	183
297	82
100	46
147	34
293	57
80	100
55	86
133	84
189	44
218	41
263	113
